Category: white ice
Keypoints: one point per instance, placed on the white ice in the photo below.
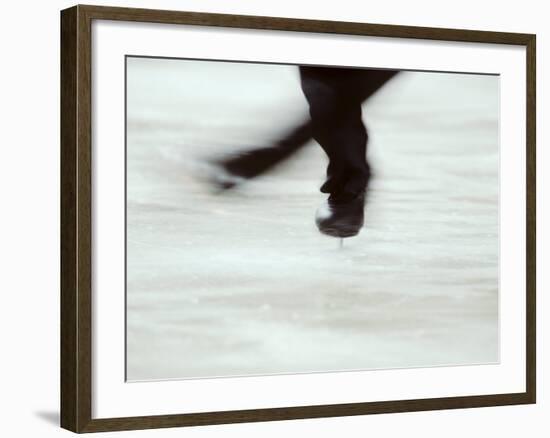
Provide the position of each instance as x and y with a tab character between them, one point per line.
243	283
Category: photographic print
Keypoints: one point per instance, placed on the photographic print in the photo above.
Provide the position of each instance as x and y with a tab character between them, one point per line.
308	218
268	218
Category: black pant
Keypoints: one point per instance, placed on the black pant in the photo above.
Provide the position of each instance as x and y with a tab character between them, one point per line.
335	96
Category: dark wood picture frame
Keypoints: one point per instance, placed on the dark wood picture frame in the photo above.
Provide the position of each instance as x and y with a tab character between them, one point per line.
76	219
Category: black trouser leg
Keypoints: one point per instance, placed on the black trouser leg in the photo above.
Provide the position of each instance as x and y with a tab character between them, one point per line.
335	96
254	162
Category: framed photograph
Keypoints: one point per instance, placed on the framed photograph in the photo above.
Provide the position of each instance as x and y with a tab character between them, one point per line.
270	218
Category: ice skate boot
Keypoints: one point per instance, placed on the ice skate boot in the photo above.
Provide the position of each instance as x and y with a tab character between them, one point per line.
341	216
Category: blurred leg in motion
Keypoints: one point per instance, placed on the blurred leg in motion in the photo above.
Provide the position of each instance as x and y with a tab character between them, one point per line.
251	163
335	96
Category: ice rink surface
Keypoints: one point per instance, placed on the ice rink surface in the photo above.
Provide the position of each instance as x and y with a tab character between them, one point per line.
243	283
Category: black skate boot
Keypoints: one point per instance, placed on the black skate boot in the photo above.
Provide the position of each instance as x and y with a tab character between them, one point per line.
341	216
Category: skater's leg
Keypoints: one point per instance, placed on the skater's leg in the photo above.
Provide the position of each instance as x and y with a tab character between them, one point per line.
339	129
335	97
254	162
